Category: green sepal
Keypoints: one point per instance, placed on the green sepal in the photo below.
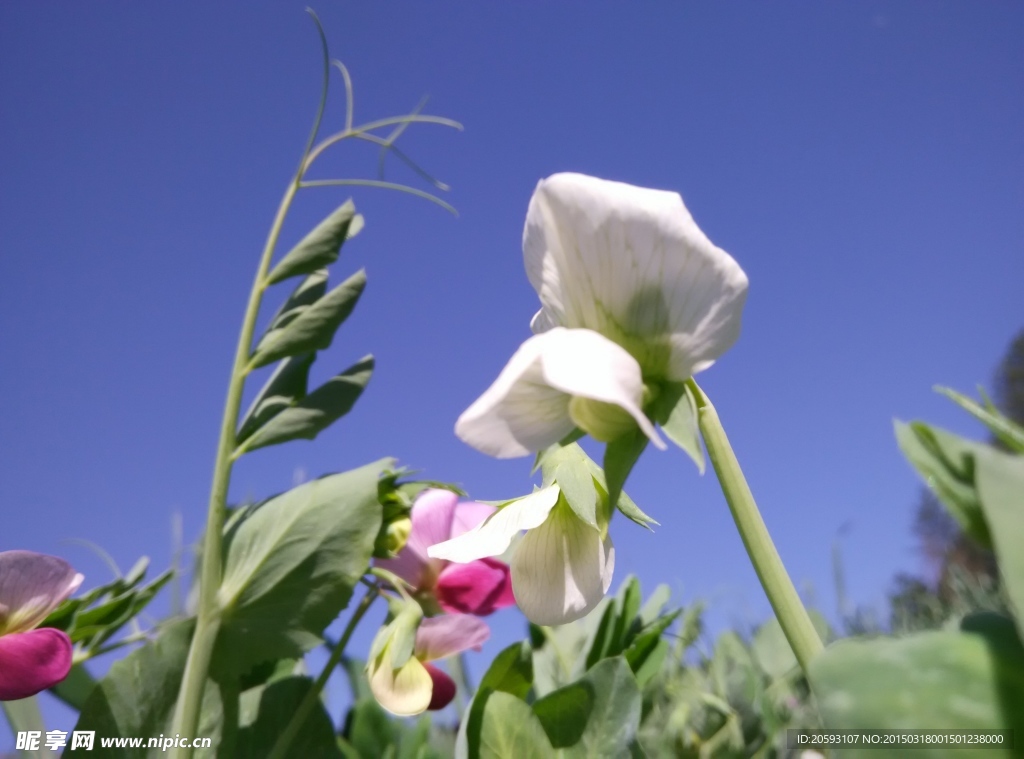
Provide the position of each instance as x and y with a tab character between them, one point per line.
620	456
321	246
675	409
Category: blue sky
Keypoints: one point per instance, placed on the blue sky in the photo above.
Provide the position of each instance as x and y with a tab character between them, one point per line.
863	162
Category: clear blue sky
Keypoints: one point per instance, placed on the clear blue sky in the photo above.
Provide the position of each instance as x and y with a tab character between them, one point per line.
863	161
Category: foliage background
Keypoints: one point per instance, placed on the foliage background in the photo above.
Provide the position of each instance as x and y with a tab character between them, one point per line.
863	163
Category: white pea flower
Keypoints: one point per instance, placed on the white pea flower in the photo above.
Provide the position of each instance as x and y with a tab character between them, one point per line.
562	567
633	295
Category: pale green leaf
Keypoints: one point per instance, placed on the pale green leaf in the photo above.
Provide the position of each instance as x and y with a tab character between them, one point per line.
511	730
928	681
290	566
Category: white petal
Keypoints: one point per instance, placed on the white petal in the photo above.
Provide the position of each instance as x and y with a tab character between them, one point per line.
632	264
493	536
583	363
527	407
405	691
562	569
520	412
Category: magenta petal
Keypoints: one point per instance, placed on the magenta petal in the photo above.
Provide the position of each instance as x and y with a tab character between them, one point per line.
33	661
468	515
31	586
438	637
444	688
477	588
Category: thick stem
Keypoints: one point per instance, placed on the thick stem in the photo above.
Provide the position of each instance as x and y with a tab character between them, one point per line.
785	601
284	740
190	697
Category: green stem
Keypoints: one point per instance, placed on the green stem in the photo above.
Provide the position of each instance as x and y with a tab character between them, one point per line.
23	715
284	740
785	601
186	716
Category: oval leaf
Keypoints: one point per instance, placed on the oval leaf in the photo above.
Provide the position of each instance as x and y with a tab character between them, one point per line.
313	329
286	387
317	411
321	246
291	564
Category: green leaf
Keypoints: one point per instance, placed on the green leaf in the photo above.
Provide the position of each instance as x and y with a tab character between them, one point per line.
597	716
619	458
291	563
313	329
946	462
368	729
316	412
646	652
1000	479
511	671
74	689
549	459
286	387
1004	428
137	696
972	680
676	411
278	702
306	293
321	246
23	715
772	650
95	626
511	730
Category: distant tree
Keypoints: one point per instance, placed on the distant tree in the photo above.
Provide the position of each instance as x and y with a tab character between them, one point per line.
962	574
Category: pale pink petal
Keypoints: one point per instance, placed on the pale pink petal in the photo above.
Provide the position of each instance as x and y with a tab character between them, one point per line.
33	661
31	586
468	515
479	587
449	634
432	516
444	688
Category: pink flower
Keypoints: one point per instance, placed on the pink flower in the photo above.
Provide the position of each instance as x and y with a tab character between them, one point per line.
31	586
478	587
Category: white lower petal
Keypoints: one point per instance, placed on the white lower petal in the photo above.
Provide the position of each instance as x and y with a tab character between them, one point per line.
519	413
405	691
493	536
562	569
527	407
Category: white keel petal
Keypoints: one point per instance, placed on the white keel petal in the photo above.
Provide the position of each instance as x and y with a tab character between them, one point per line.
493	536
562	569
